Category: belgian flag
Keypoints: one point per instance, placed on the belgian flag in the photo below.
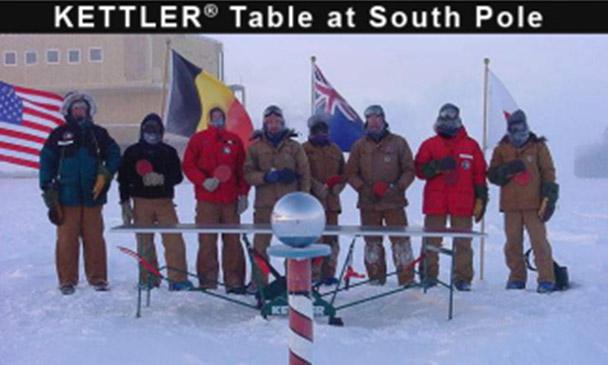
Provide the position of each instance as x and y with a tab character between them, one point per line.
193	93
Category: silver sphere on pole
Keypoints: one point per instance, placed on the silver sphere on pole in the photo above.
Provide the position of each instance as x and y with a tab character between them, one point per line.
298	219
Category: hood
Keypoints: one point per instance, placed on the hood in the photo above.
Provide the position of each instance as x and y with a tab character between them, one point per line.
151	118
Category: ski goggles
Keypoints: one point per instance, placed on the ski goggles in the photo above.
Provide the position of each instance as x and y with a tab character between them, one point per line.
273	109
448	112
373	110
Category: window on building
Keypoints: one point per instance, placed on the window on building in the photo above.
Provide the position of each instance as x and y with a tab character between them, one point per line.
52	56
10	58
95	54
31	57
73	56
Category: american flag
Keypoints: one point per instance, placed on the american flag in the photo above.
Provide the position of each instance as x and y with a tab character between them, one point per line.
345	125
27	116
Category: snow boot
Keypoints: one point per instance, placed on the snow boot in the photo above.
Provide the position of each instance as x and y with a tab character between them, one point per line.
516	285
462	286
545	287
180	285
67	289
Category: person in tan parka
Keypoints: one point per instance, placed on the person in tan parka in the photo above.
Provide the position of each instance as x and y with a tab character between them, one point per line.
380	168
523	168
327	182
275	165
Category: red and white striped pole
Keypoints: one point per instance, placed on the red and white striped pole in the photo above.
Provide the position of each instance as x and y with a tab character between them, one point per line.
298	220
300	312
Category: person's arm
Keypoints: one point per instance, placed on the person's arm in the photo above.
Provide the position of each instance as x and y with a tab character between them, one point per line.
49	163
191	155
494	173
303	170
253	175
422	161
406	162
125	176
242	186
352	169
175	168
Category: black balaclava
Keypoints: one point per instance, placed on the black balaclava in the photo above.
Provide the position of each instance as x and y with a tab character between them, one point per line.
318	127
152	129
448	121
517	128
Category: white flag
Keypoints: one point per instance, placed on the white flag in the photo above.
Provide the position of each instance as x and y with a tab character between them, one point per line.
500	105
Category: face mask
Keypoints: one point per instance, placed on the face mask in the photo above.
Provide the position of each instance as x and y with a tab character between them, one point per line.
218	123
447	127
519	136
151	138
319	139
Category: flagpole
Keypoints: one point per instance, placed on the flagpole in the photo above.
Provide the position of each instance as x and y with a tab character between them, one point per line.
484	145
313	59
165	77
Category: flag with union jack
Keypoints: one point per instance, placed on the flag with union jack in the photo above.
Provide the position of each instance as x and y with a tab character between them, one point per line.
27	116
345	126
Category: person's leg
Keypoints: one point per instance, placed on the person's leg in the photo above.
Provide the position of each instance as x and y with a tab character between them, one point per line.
261	241
463	254
432	222
206	260
94	246
514	247
375	260
175	249
68	246
543	258
144	214
402	247
233	257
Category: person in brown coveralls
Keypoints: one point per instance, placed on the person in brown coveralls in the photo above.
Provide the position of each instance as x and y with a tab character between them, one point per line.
327	182
380	168
148	174
276	165
523	168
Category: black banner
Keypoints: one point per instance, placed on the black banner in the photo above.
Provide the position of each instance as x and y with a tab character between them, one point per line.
304	17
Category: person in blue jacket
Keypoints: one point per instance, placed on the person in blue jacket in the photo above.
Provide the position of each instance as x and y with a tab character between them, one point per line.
77	163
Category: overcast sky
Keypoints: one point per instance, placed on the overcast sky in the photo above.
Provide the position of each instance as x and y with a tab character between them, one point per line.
560	81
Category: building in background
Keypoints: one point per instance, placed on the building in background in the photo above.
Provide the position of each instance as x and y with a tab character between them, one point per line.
124	73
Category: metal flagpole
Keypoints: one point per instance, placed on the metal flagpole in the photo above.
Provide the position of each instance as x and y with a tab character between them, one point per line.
163	104
313	59
482	243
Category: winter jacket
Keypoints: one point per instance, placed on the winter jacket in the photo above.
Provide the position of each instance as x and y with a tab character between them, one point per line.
263	157
325	162
209	149
72	155
163	159
390	161
523	192
452	193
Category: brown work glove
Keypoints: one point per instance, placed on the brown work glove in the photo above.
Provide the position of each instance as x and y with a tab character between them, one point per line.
102	181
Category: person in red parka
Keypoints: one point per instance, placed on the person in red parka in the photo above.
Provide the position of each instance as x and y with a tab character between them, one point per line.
455	172
213	161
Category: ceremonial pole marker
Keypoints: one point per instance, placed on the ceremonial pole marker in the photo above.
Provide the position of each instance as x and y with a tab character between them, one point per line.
298	220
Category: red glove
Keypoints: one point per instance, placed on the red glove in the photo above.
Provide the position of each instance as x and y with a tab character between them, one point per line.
380	188
333	181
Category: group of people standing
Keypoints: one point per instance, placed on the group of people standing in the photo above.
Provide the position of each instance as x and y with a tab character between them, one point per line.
79	159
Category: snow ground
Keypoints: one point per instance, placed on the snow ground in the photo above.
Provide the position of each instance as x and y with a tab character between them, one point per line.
491	325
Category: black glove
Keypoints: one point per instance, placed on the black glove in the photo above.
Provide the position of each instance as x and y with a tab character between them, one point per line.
50	195
287	176
500	175
550	194
514	167
435	167
481	202
447	163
